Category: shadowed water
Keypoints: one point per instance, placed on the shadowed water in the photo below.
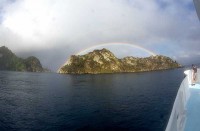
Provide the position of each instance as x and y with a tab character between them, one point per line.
49	101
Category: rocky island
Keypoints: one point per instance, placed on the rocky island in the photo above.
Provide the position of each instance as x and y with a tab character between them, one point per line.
9	61
104	61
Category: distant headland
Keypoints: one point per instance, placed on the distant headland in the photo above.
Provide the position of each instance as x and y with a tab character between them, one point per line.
104	61
9	61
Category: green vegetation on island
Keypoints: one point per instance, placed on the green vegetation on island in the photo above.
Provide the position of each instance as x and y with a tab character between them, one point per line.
104	61
9	61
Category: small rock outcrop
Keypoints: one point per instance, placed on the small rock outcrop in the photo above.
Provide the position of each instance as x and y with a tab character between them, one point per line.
104	61
33	64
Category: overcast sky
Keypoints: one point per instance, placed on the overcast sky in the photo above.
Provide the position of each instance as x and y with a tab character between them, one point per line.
52	30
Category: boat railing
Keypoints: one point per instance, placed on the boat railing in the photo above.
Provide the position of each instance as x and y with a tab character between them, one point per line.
189	74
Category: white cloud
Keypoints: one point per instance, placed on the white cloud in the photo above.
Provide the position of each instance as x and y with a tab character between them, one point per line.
67	26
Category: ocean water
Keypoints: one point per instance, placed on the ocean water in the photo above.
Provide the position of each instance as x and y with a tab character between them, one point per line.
50	101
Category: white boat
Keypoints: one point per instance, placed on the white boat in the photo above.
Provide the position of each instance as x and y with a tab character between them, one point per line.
185	115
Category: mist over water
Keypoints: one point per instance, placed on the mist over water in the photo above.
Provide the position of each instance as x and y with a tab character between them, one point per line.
49	101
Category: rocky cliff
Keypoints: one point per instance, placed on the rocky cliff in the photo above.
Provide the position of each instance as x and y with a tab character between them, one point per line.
9	61
104	61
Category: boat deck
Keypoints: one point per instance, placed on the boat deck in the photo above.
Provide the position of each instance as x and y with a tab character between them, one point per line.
193	109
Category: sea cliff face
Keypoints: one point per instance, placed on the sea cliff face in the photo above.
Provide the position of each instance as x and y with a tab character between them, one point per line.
9	61
104	61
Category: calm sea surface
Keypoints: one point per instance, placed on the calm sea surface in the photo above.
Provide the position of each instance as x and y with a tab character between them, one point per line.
50	101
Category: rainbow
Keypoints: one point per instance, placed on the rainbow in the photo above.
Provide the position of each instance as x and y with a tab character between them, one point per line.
84	51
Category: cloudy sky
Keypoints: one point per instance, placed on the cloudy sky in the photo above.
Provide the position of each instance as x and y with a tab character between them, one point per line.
52	30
